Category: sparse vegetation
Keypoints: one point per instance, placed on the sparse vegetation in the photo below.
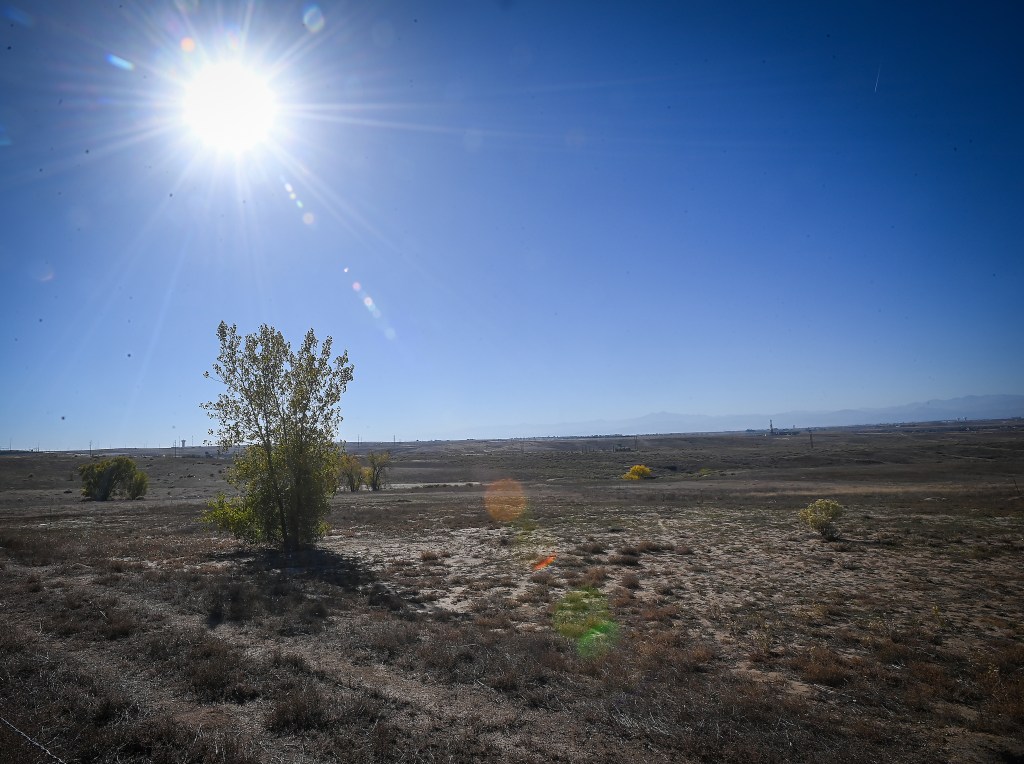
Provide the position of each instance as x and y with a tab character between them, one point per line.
132	636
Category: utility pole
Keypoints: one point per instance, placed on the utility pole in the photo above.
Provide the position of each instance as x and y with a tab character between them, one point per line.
771	426
811	433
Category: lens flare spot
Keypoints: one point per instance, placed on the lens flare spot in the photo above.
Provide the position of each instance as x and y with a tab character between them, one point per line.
19	16
120	63
188	45
505	500
368	302
541	564
356	286
583	617
598	640
308	218
389	333
313	18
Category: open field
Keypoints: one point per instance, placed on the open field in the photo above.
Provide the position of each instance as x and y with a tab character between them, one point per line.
720	629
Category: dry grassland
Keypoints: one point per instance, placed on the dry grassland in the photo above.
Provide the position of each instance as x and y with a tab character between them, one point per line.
419	630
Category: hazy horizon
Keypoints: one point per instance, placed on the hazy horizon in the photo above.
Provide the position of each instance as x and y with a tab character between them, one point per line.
510	212
986	408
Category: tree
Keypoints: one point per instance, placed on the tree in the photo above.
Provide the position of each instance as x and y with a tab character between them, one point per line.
376	474
103	479
281	407
350	471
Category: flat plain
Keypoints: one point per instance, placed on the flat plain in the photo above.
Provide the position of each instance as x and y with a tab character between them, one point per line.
519	601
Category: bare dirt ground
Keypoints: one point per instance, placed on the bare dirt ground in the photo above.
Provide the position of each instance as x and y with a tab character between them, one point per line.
686	618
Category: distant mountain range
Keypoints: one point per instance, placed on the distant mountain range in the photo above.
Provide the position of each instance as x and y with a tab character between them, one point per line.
969	407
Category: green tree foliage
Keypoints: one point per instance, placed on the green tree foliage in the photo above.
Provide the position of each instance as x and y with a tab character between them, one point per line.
104	479
350	472
281	408
376	474
821	516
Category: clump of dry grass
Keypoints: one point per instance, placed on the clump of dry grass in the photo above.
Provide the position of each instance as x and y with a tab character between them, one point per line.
822	665
624	558
208	667
542	577
661	613
301	708
594	577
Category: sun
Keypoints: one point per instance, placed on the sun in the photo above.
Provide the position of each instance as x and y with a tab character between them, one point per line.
229	107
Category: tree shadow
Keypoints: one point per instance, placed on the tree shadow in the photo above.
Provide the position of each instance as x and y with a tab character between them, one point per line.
270	575
314	563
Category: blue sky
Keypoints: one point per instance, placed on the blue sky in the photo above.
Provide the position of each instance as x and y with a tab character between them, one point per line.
560	211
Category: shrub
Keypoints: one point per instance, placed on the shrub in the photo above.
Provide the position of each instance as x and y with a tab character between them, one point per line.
638	472
138	485
103	479
821	516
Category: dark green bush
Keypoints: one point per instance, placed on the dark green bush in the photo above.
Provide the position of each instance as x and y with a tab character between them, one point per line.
103	479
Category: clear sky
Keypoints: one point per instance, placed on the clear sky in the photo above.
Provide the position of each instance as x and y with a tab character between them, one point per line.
558	211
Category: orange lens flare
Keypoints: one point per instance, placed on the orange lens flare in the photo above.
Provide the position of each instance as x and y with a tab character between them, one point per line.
505	500
541	564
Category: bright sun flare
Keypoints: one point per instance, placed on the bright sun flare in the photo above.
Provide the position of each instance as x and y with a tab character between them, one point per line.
229	108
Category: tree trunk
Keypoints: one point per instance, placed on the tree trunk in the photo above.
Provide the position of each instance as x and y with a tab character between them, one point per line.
280	501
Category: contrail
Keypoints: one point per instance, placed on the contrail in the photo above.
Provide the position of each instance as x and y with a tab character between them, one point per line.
877	76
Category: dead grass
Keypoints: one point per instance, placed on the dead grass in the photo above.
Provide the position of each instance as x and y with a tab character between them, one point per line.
419	631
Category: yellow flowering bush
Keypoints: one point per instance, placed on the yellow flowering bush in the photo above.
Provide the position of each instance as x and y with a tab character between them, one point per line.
638	472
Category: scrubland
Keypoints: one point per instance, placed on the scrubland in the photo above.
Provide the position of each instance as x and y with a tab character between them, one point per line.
427	627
